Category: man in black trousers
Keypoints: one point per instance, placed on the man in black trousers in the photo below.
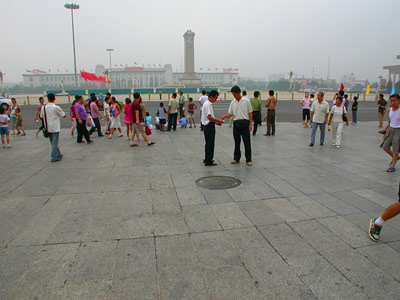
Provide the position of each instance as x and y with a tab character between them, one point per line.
208	121
81	118
241	111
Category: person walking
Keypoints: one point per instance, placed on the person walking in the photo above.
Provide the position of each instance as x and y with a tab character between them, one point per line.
242	113
337	117
19	126
52	115
4	132
391	142
382	103
271	108
138	120
306	102
107	102
202	100
81	118
376	224
354	109
256	106
191	109
128	119
13	116
172	112
182	101
161	116
115	111
209	121
73	116
319	117
37	118
94	112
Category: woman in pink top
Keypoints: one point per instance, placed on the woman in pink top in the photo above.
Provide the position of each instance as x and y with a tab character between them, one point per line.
306	102
73	117
128	120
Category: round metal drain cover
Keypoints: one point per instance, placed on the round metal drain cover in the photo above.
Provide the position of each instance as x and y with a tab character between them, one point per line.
218	182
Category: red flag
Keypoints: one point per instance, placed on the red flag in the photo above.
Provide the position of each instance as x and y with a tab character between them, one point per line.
135	62
209	69
342	87
216	69
115	65
121	65
154	65
28	71
159	65
49	70
201	69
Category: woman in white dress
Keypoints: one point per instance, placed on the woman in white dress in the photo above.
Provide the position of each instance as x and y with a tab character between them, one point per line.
337	120
115	111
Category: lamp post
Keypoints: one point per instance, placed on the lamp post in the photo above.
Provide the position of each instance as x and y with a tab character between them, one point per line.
73	6
109	74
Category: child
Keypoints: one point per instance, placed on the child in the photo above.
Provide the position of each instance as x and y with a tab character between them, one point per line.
4	120
128	120
183	122
148	118
161	115
19	122
191	109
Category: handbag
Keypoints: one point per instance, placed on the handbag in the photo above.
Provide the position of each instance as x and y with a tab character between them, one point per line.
344	116
45	129
147	130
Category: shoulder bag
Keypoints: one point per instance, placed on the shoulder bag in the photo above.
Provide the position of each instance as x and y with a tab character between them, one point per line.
344	116
45	129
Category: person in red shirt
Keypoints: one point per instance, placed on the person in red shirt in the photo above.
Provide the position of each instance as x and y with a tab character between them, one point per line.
138	121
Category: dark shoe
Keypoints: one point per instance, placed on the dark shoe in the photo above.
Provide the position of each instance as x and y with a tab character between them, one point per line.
321	144
374	230
311	145
151	144
267	134
204	161
210	164
79	142
101	135
89	141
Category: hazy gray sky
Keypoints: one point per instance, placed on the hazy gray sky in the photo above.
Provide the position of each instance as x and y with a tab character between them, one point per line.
260	37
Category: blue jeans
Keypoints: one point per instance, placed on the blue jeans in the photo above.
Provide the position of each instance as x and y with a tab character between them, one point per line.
55	151
314	131
354	116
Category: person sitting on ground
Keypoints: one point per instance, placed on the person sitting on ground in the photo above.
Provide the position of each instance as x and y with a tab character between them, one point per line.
183	122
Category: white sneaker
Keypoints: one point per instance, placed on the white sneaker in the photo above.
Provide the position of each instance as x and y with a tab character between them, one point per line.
121	135
8	146
338	146
4	146
333	144
110	136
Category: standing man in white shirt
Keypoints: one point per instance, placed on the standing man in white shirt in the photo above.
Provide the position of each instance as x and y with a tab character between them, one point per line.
208	121
241	111
319	117
202	100
52	115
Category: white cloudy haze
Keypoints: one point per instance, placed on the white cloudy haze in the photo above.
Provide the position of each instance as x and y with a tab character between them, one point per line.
260	37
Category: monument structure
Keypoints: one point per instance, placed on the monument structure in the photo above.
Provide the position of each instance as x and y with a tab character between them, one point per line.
189	78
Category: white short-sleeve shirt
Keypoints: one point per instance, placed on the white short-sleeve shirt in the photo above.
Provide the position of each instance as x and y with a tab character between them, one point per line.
240	109
394	117
320	110
202	100
54	113
207	111
337	113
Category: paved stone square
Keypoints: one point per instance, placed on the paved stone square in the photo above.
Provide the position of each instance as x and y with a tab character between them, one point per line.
113	222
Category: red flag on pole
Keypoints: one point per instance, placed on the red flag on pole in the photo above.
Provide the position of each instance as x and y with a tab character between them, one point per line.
121	65
135	62
342	87
28	71
115	65
66	70
154	65
209	69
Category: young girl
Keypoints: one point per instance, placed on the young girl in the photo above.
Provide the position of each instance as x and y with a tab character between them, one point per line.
115	111
4	132
128	120
13	116
19	122
337	113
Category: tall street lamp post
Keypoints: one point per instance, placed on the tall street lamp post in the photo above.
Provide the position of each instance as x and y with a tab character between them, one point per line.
109	73
73	6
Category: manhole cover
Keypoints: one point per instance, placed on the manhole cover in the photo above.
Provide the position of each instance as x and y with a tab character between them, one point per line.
218	182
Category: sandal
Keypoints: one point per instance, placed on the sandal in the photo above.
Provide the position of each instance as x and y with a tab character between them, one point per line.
391	170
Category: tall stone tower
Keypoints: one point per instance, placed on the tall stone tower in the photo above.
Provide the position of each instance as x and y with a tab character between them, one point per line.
189	78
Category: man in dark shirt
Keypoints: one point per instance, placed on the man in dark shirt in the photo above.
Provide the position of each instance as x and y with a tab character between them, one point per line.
354	109
382	103
138	121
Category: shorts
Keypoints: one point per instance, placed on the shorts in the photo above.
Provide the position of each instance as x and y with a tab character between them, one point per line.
392	139
163	121
138	128
19	123
4	131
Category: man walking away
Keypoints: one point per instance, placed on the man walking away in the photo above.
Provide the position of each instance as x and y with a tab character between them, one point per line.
172	112
319	117
138	121
208	120
376	225
256	106
382	103
81	117
392	132
94	112
182	101
52	115
202	99
242	113
271	107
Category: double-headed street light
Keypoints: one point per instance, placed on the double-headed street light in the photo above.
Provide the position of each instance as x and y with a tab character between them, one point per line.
73	6
109	73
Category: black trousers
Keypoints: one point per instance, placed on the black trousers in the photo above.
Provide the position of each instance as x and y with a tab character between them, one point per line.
97	125
172	121
271	121
209	137
82	132
306	114
257	120
241	131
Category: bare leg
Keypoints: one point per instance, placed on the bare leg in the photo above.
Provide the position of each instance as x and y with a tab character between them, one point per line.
146	138
390	212
395	159
23	130
127	130
3	139
111	133
8	139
